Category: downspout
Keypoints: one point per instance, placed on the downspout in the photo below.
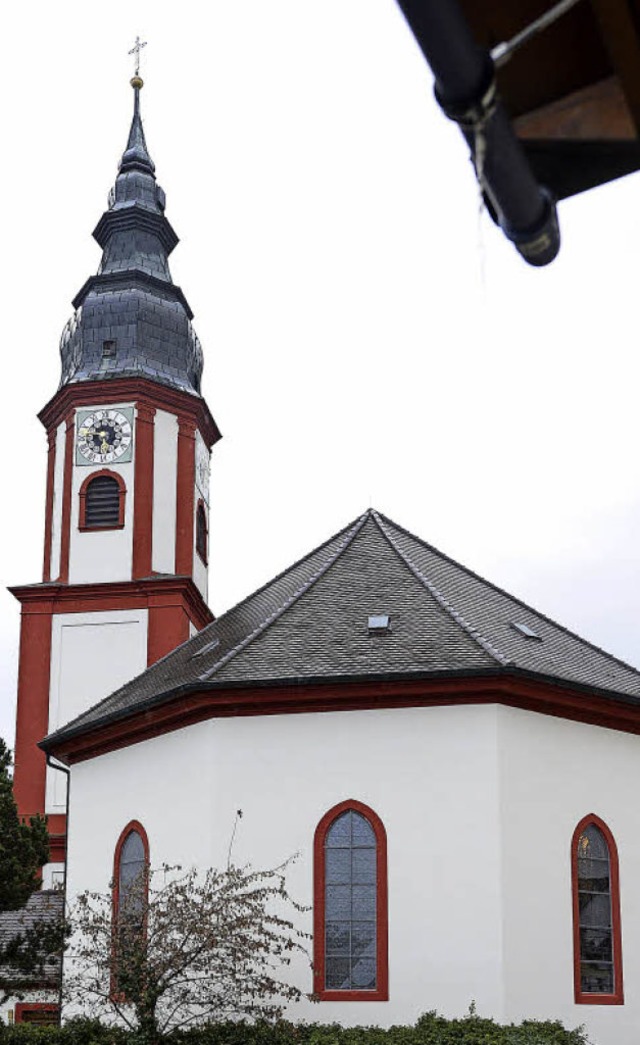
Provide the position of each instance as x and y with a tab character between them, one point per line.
63	769
465	89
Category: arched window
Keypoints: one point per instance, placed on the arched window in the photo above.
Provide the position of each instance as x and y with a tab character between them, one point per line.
350	905
102	497
201	532
596	915
130	884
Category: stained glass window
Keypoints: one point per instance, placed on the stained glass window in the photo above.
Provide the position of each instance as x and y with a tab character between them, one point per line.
594	903
350	855
131	866
596	915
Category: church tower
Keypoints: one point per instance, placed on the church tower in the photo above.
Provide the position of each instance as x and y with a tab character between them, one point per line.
127	499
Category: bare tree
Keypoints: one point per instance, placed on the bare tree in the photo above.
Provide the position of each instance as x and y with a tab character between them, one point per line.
184	947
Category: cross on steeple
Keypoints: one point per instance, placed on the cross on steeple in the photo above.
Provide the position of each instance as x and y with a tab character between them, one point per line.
137	47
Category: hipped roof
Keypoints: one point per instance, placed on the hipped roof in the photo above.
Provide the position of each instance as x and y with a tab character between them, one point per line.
310	625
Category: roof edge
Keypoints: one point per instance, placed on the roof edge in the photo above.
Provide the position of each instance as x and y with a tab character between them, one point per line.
190	704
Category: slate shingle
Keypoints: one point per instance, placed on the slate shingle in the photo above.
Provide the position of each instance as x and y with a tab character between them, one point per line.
310	623
47	905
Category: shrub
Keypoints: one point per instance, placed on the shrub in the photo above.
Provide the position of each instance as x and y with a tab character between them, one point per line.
430	1029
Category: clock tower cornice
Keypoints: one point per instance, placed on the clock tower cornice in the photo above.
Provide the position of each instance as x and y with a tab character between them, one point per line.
135	389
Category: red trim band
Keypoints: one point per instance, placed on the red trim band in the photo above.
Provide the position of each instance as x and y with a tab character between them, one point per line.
65	536
299	698
186	481
48	512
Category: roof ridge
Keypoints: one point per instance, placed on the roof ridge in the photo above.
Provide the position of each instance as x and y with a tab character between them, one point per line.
276	614
514	598
442	601
212	624
273	580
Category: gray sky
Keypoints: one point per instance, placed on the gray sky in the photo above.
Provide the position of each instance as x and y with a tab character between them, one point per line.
368	338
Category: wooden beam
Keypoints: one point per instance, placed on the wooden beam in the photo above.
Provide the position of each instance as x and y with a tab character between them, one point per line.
618	22
595	113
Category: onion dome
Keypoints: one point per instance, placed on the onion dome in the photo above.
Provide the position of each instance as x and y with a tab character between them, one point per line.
130	319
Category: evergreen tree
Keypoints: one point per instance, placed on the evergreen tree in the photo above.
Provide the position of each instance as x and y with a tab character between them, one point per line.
24	848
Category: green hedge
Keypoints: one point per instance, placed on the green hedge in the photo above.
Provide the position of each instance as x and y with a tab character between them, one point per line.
430	1029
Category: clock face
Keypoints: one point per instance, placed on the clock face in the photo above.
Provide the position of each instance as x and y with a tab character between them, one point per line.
104	436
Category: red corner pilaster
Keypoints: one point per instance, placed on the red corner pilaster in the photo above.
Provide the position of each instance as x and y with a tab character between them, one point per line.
168	624
66	500
143	492
48	512
186	480
29	778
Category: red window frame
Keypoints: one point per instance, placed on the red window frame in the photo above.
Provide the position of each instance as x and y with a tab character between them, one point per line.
82	521
582	997
202	512
133	825
23	1007
381	993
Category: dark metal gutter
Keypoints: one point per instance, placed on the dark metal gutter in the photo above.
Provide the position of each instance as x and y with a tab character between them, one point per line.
465	89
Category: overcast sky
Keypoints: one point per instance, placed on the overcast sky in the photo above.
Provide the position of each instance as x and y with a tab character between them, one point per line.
368	338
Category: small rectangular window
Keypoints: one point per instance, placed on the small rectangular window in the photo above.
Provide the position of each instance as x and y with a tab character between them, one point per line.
108	349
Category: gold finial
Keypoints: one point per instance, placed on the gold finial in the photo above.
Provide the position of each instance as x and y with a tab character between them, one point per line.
136	82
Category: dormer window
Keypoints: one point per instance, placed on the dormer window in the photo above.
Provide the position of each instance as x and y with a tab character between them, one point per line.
102	496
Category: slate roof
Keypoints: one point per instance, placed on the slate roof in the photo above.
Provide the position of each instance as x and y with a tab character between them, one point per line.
46	905
133	302
311	624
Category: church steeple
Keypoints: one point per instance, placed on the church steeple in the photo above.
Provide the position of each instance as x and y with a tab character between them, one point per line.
136	155
125	566
131	320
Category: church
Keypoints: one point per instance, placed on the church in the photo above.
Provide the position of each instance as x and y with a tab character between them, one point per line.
456	771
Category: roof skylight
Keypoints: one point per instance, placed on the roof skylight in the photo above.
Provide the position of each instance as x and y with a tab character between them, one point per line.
379	623
526	631
206	648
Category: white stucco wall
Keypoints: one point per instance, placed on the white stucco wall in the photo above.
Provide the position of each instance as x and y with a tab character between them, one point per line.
91	655
165	459
552	774
479	804
101	555
430	774
56	516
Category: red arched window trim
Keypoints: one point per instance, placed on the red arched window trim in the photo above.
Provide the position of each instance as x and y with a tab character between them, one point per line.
381	992
202	550
82	523
133	825
581	997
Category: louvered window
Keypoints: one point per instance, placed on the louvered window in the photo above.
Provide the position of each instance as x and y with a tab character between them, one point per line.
201	533
102	506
